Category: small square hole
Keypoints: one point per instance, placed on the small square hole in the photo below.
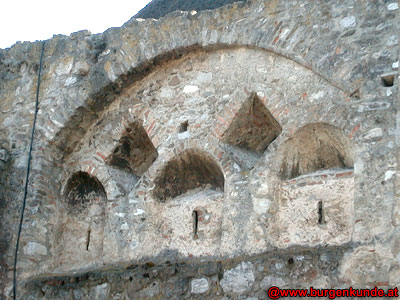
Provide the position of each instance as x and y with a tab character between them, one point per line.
387	80
184	126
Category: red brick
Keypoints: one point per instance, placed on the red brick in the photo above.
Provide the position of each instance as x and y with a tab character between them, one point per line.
150	128
355	129
344	174
314	182
101	155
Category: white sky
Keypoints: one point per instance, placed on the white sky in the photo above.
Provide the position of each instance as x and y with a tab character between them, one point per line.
31	20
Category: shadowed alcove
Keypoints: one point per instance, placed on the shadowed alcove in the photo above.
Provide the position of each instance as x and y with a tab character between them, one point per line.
82	189
189	170
314	147
135	152
253	127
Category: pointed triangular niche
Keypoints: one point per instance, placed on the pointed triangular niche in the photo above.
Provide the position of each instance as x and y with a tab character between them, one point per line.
135	152
253	127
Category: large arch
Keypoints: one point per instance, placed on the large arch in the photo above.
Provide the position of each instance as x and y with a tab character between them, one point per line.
103	95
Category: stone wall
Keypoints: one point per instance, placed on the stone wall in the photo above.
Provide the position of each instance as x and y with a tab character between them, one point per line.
205	155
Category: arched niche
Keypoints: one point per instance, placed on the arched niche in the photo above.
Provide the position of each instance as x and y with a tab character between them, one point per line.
83	189
317	146
83	222
189	170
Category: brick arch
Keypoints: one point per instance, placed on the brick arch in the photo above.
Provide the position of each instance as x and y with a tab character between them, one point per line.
102	95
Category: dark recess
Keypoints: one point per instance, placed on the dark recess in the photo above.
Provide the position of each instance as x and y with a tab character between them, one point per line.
388	80
83	188
187	171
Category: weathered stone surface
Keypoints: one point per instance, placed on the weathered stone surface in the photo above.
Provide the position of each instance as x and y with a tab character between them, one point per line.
100	292
269	281
33	248
239	279
4	155
374	134
348	22
376	257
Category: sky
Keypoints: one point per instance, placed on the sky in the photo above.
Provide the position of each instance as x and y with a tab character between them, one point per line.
31	20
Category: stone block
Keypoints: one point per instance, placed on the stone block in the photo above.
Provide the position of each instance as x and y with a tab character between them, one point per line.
199	286
4	155
239	279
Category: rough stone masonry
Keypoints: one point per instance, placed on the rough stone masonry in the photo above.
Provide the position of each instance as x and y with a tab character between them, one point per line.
206	155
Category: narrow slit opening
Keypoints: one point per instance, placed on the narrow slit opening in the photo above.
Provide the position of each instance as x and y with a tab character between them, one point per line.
195	216
321	216
88	239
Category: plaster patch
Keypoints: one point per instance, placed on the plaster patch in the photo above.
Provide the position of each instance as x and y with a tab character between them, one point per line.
317	95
